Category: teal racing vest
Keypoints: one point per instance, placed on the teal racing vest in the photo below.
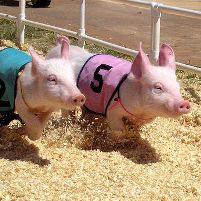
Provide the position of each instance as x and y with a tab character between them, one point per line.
12	61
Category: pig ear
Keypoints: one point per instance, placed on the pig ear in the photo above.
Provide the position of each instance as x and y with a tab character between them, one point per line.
167	57
64	49
60	39
140	63
36	59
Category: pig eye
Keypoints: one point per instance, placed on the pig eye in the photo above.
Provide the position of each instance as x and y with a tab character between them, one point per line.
52	79
158	88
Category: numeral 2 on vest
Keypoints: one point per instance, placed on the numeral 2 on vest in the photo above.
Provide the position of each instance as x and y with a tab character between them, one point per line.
99	78
2	91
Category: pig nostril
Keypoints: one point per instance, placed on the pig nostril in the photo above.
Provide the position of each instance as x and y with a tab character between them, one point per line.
75	100
184	106
82	100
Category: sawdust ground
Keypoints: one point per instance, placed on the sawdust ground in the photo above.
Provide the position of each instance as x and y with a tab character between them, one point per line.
162	162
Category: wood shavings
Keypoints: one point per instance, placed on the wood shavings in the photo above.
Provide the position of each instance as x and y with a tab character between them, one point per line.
73	161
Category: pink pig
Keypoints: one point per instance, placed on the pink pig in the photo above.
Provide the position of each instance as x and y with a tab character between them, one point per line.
146	92
45	86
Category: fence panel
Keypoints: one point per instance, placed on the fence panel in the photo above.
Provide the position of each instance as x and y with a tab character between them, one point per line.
156	9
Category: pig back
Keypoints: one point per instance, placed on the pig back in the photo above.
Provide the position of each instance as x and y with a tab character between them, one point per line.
99	80
11	62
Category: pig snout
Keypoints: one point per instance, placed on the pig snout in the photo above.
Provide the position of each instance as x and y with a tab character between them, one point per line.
183	107
78	100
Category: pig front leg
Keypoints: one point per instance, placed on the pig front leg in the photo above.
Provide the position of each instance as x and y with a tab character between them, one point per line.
118	131
115	122
34	123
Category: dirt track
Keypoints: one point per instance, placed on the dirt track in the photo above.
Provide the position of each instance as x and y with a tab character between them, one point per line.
161	163
122	23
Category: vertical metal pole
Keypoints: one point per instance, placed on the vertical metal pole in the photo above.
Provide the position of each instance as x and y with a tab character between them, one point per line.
155	32
20	24
81	31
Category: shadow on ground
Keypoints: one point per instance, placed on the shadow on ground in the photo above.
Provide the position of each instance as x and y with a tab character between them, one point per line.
136	149
14	147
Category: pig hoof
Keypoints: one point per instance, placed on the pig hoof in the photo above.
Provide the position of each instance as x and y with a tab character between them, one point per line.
34	137
21	131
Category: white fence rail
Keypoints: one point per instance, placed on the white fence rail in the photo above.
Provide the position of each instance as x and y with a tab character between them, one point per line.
156	9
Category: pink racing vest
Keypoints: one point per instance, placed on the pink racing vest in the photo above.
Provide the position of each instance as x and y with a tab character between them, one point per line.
100	79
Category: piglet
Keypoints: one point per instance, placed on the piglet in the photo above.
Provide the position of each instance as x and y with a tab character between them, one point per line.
43	86
116	88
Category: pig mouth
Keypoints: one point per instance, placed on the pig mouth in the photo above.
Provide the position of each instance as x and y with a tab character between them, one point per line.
68	106
173	114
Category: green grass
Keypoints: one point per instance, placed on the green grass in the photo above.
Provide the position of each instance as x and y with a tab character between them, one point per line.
7	30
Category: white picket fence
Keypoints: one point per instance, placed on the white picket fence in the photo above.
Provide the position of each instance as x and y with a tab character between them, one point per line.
156	9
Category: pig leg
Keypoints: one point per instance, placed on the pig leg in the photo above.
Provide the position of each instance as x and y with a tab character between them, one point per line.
115	122
118	131
34	124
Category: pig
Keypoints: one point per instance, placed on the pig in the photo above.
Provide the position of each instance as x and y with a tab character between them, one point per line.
42	87
143	91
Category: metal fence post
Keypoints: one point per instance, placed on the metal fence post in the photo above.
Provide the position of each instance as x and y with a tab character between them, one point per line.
20	24
155	32
81	31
